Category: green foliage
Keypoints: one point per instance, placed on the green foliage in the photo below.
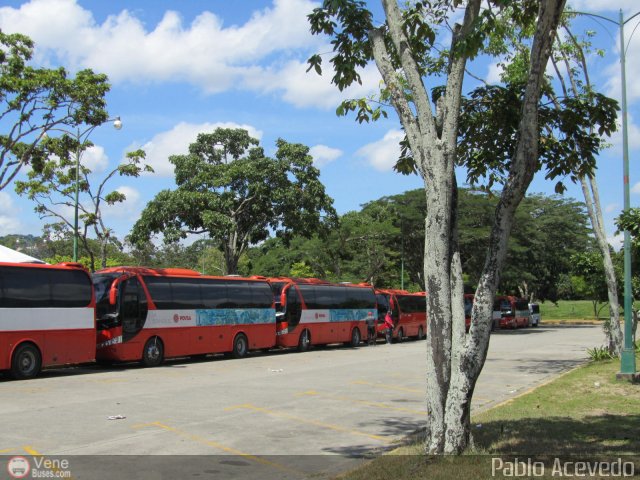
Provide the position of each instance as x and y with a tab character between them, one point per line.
228	188
629	220
570	133
599	354
301	270
34	101
371	244
53	187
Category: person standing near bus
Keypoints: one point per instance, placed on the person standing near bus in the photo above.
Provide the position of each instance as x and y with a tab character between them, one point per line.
388	324
371	330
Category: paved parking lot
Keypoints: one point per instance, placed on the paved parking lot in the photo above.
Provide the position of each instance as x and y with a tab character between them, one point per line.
331	400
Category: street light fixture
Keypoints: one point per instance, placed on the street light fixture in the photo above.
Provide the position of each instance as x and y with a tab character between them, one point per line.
628	356
81	138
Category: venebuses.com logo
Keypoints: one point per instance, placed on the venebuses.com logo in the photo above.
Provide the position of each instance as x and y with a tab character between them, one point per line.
39	467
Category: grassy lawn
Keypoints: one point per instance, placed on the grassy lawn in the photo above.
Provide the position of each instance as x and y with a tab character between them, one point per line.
570	310
585	413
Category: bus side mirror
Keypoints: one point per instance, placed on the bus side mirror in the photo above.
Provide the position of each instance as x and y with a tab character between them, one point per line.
113	293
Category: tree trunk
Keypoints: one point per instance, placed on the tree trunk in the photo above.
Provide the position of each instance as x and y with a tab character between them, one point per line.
612	328
455	360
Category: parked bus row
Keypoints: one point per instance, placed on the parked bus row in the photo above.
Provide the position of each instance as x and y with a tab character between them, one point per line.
508	312
60	314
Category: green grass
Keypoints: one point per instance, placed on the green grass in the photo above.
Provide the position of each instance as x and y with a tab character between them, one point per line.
586	412
570	310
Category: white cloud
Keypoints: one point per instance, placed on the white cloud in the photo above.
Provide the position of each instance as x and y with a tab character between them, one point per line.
95	159
633	134
323	155
612	207
383	154
176	142
494	72
9	220
616	241
205	53
130	206
636	188
598	6
308	89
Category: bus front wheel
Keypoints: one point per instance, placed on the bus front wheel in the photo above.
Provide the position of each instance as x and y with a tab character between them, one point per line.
304	342
26	362
153	353
355	337
240	346
400	336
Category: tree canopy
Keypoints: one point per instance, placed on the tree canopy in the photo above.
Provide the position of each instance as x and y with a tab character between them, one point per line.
52	188
34	101
229	189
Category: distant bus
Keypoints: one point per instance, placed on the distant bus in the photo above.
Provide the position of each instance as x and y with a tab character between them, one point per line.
148	315
408	311
47	317
315	312
511	312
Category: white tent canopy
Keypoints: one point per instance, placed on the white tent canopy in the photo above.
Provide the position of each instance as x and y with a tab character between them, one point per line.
13	256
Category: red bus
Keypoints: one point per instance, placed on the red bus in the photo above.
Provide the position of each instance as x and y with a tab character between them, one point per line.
511	312
47	317
408	311
148	315
315	312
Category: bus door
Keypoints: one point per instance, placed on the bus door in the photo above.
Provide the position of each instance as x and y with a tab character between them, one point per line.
133	308
292	310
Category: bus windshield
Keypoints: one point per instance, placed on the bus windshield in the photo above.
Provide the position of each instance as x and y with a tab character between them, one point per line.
102	285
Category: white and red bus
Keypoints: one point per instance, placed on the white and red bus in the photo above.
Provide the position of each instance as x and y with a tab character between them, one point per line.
47	317
408	311
315	312
148	314
511	312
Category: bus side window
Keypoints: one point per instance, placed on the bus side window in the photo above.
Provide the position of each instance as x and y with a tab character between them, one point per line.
133	308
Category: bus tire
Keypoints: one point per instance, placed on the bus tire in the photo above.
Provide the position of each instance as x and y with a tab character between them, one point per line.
153	352
400	336
240	346
26	361
304	342
355	337
420	333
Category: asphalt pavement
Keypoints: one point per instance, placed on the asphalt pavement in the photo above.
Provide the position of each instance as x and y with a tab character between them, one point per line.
277	414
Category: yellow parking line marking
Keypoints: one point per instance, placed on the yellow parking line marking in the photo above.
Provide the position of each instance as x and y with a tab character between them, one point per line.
388	387
316	423
110	380
6	450
369	403
219	446
29	449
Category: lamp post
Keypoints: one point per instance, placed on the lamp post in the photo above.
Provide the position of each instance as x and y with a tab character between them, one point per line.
81	137
628	356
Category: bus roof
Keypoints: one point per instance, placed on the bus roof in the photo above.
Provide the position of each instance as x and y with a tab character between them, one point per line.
170	272
392	291
57	266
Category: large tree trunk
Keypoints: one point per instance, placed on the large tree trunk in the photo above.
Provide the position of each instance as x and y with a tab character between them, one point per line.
612	328
455	360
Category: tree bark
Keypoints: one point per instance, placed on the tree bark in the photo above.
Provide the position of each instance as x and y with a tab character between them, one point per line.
455	360
612	328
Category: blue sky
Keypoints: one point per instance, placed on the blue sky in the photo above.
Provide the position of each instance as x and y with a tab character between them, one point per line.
180	68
